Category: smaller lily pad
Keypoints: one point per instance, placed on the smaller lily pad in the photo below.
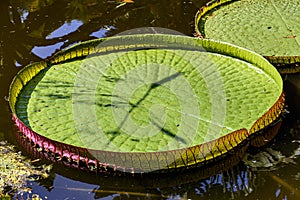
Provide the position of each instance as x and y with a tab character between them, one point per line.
270	28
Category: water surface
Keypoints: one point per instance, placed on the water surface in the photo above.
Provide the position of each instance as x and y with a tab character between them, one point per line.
32	30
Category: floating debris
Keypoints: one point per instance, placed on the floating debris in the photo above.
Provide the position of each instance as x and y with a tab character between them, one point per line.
15	170
269	159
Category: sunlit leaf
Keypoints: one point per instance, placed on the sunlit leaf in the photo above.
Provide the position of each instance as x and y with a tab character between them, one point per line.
147	102
270	28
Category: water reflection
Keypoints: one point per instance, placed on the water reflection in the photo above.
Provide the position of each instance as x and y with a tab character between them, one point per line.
26	25
235	182
260	181
31	30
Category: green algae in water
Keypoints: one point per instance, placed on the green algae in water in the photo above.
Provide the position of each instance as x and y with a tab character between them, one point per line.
15	171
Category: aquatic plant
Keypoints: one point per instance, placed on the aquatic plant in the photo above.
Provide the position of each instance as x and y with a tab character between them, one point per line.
146	103
15	171
268	28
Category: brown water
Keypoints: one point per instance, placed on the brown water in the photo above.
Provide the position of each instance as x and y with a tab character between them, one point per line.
31	30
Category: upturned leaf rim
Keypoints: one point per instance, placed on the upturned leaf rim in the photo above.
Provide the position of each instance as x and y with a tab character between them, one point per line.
182	158
284	64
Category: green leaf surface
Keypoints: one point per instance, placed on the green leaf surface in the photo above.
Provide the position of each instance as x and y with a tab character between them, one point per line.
147	99
268	27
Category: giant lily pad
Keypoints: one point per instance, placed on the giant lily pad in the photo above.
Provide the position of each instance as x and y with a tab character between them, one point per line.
270	28
146	102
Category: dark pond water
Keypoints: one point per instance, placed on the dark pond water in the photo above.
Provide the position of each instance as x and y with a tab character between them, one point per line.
31	30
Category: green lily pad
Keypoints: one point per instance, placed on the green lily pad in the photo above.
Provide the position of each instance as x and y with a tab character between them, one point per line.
270	28
147	102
